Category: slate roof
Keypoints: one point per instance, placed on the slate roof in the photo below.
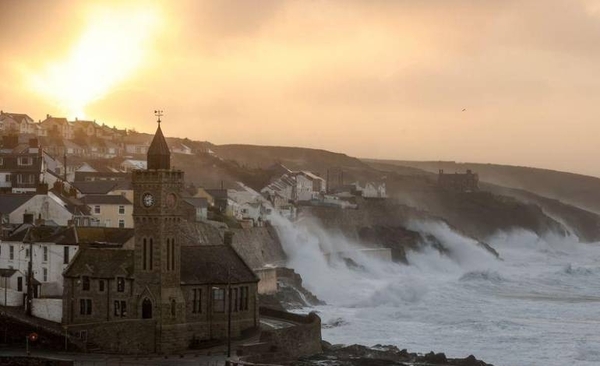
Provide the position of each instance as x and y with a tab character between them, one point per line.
7	272
101	263
105	199
198	202
208	264
159	154
10	202
95	187
71	235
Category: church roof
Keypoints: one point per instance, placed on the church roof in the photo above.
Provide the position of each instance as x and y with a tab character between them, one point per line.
159	155
213	264
101	263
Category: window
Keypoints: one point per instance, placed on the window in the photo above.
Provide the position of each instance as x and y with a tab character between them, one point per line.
20	284
7	178
45	273
170	254
121	210
1	161
120	284
85	306
244	298
197	303
26	252
85	283
120	308
173	308
45	258
25	160
66	255
101	285
218	300
234	300
121	223
97	209
11	252
147	254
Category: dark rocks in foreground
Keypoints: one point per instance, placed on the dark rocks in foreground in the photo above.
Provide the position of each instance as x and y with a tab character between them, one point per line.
357	355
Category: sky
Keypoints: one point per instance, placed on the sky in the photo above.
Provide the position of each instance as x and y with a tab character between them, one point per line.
511	82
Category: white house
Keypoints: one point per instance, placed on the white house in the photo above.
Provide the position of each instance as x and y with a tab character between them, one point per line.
15	209
53	248
129	165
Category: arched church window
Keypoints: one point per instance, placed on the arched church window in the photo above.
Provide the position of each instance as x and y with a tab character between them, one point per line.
146	309
173	308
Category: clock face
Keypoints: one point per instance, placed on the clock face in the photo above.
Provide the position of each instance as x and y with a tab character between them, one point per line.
171	200
147	199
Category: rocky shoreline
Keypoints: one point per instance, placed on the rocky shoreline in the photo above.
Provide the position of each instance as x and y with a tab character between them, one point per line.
379	355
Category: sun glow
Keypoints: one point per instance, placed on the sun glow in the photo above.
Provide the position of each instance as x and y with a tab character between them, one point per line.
110	50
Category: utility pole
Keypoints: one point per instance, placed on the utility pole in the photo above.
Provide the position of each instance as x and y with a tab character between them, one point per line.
29	278
229	313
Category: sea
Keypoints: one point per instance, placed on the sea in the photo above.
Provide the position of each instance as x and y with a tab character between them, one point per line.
537	304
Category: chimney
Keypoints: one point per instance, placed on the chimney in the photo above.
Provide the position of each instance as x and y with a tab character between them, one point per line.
42	188
469	171
228	237
47	116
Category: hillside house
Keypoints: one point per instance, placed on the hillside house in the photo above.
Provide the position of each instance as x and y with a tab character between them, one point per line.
110	210
21	165
58	127
129	165
18	123
196	208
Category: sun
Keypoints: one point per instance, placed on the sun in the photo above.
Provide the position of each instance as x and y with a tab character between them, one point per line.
114	44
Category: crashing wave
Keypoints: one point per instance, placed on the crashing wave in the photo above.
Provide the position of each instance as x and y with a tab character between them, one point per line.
490	276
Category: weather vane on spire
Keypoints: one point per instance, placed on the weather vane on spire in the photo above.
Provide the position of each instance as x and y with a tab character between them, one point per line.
158	113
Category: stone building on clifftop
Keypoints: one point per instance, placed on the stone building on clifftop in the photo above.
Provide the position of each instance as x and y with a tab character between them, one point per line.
166	294
459	182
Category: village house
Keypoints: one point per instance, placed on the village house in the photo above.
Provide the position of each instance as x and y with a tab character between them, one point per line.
17	123
22	208
129	165
110	210
58	127
136	143
53	248
160	296
21	165
196	208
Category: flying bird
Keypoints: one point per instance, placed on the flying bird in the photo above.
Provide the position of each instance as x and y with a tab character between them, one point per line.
464	109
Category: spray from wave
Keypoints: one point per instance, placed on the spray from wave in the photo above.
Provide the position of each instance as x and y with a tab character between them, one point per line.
461	300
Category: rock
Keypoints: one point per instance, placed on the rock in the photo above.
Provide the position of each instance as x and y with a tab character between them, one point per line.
435	358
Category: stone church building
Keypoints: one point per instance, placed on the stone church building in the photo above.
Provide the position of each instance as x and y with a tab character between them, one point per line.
165	294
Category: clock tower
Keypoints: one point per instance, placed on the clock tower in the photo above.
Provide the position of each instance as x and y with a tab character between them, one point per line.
157	218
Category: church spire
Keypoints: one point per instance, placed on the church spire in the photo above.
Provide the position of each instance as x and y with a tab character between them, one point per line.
159	156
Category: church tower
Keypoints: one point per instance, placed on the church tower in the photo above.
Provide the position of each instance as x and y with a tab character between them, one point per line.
157	217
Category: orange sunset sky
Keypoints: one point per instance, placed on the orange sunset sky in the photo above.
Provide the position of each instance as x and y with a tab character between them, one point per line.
380	79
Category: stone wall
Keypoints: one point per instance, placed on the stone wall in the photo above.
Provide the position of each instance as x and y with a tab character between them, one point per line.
127	336
49	309
258	246
303	339
33	361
